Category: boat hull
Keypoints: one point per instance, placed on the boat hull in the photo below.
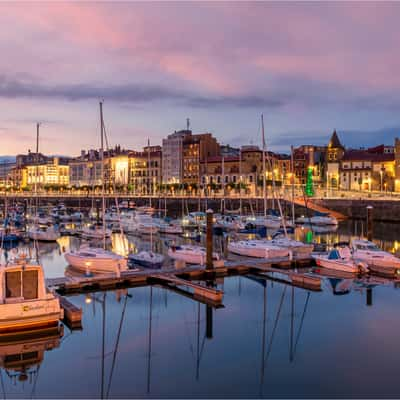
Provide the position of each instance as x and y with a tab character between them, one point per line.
96	265
29	315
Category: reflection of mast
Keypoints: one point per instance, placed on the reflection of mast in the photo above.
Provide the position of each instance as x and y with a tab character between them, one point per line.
301	325
198	343
263	339
103	345
149	351
116	344
276	323
291	326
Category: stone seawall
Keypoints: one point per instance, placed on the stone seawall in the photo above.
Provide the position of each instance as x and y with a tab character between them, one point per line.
384	210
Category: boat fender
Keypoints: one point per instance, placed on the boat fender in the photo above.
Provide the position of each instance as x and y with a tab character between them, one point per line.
362	268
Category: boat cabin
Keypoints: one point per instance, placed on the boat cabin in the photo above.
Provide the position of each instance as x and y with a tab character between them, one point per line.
21	282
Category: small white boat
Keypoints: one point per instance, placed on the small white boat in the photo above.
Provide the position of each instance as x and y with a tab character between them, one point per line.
258	248
324	220
190	254
95	232
170	228
76	216
43	233
269	221
371	254
229	222
139	223
340	259
194	219
96	261
25	302
147	259
112	216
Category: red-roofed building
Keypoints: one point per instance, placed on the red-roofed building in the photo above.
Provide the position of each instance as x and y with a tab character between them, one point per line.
370	169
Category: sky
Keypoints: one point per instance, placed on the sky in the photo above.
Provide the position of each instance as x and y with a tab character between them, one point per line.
309	67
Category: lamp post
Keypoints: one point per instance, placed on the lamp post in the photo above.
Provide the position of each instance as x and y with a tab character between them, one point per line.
382	171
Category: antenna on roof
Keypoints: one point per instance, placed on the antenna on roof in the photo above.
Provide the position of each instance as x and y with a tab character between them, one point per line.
187	124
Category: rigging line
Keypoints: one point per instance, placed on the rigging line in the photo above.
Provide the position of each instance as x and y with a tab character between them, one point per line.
149	355
301	324
2	384
34	383
276	323
116	346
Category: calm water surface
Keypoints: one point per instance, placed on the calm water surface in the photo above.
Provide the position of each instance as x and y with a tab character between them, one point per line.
269	339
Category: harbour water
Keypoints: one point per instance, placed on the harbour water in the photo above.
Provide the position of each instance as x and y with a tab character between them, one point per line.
269	339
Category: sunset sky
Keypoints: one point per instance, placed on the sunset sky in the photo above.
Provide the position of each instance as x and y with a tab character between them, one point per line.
309	67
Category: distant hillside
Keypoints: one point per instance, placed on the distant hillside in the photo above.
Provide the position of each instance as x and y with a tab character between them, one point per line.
7	159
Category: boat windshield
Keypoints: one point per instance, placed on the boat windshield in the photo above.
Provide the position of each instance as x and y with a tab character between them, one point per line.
368	247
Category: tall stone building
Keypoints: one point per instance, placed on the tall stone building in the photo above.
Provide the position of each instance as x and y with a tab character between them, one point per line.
334	156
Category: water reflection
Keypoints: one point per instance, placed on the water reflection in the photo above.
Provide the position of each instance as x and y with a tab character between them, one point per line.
21	357
269	340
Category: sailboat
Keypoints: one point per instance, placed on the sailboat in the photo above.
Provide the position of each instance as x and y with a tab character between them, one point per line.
38	232
97	260
148	259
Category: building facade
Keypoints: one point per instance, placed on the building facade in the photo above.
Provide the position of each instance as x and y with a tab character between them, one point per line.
145	170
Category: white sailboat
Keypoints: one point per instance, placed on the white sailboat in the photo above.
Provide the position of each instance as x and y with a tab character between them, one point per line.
257	248
148	258
97	260
190	254
39	232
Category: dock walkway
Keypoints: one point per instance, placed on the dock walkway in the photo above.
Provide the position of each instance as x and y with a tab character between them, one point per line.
300	202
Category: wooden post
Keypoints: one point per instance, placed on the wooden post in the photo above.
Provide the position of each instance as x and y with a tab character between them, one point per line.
370	222
209	322
369	296
97	212
209	240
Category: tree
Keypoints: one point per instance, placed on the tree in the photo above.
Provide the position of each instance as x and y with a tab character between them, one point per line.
309	182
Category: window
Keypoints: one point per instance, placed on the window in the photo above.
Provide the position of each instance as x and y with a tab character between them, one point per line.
22	284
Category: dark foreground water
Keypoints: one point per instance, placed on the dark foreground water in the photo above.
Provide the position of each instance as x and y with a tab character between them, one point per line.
269	340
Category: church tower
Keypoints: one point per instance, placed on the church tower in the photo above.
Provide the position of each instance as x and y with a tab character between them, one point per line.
334	155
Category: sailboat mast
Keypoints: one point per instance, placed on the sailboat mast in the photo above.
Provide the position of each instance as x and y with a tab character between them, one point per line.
292	181
148	172
264	169
102	173
240	181
36	169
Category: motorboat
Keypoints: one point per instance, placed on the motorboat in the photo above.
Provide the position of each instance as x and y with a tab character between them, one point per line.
95	232
25	302
371	254
190	254
258	248
340	259
43	233
318	218
147	259
96	261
